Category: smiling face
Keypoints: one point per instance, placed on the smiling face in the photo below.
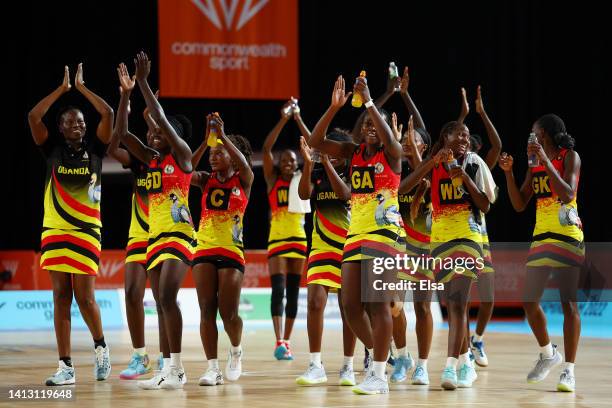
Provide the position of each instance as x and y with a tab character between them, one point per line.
458	140
420	145
288	163
72	125
155	138
219	158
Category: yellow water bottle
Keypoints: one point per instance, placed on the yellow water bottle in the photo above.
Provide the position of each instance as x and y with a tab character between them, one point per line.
213	135
357	101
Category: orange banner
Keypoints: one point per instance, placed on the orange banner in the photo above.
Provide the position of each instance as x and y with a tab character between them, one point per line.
236	49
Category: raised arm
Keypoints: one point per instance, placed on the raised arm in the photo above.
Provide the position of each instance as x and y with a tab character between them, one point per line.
317	138
519	198
305	186
268	157
564	187
494	139
393	85
393	148
105	127
180	149
301	125
241	163
40	133
341	189
465	106
410	105
199	152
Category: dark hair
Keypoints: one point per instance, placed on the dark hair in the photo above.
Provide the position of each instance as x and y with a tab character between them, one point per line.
386	117
424	136
63	110
181	125
446	130
242	144
475	139
339	135
554	126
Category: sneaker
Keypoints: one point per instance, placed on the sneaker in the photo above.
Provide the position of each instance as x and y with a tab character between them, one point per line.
233	369
400	370
212	376
63	376
280	350
347	376
477	350
392	358
288	354
174	379
102	365
567	382
160	362
543	366
153	383
449	378
420	376
467	376
371	385
367	362
313	376
139	365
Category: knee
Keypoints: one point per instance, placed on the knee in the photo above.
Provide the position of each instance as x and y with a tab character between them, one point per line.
351	307
85	301
422	310
208	310
456	308
316	304
166	301
133	296
228	315
62	298
570	309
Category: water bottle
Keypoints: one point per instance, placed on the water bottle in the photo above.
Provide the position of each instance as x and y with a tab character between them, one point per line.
357	101
294	107
393	73
533	158
315	155
452	163
213	136
288	110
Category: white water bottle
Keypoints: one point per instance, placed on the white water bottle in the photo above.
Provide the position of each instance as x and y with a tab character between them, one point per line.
533	158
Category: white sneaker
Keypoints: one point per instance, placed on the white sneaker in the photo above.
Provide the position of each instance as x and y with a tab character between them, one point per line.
313	376
102	365
175	379
466	376
63	376
153	383
567	382
478	351
543	366
371	385
212	376
233	369
347	376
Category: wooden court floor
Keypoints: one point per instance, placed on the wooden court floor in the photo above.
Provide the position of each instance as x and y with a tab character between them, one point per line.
27	358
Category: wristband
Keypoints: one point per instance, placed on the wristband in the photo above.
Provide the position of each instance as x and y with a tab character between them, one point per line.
369	104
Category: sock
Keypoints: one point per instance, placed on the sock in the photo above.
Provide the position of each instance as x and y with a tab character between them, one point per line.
569	367
213	363
236	349
175	360
379	368
547	350
287	343
477	338
166	363
422	362
68	361
464	359
315	358
402	352
348	361
452	362
100	343
141	351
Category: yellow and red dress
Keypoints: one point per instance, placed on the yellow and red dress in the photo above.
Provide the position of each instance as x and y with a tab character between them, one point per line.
71	240
171	233
287	237
558	239
376	229
456	228
417	232
330	225
138	237
220	231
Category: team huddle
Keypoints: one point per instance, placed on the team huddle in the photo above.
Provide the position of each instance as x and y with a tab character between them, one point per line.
376	191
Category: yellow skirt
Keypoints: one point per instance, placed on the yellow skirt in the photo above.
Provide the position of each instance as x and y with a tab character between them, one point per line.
71	251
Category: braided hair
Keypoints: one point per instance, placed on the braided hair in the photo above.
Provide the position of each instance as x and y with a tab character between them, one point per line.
554	126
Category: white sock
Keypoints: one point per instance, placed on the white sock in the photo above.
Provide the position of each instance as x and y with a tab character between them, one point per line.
141	351
547	350
379	368
464	359
315	358
477	338
402	352
175	360
166	363
422	362
348	361
452	362
236	350
213	363
569	367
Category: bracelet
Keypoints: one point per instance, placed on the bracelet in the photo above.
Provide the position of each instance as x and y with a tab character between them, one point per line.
369	104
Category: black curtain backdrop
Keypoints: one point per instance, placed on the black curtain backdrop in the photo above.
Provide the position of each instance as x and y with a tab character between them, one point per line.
531	58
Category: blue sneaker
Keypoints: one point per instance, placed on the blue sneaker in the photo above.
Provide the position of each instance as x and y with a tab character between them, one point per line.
139	365
420	376
403	364
478	352
102	365
467	375
449	378
280	350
